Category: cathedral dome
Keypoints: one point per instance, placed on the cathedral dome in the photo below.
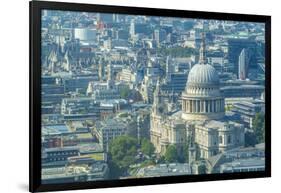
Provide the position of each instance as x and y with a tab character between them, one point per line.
203	74
202	99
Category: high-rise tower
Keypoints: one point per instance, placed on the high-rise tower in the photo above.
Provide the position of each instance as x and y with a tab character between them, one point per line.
243	64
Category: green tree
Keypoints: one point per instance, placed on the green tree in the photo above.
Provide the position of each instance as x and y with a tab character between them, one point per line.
171	154
124	92
122	151
147	163
177	51
147	147
115	170
259	127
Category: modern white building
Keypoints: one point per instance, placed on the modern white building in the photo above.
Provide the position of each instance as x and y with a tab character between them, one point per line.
85	34
242	64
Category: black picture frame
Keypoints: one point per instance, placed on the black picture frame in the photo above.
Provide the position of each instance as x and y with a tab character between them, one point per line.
35	8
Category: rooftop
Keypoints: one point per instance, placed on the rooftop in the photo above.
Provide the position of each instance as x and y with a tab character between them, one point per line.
245	163
68	148
165	170
55	129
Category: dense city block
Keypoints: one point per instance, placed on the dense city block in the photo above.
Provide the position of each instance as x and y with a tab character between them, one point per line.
132	96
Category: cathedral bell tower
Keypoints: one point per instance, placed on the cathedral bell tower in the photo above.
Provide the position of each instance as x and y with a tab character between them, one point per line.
156	99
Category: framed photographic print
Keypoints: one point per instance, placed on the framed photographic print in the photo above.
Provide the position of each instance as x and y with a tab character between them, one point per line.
127	96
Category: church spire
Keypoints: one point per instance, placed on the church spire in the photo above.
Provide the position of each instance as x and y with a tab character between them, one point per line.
202	56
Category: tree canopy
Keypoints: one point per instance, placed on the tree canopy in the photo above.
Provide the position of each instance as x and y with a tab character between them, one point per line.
177	51
259	127
123	150
124	92
171	154
147	147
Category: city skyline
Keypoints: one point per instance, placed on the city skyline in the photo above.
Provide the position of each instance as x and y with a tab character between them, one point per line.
131	96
